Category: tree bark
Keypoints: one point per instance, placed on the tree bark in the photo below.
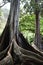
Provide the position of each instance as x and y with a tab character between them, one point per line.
37	31
14	17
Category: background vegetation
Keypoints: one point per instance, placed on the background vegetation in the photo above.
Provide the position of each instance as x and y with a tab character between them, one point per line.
27	26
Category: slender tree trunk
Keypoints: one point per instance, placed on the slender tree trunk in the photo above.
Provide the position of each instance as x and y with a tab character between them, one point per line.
37	31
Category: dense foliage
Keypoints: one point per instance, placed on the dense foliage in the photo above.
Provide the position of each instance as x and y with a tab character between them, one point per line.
27	22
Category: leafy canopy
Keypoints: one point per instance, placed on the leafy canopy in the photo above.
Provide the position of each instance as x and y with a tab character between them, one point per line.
30	6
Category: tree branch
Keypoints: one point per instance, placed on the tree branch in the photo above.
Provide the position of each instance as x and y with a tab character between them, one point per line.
3	4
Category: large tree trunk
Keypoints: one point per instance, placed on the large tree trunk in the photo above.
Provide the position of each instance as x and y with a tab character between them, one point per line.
21	53
14	17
